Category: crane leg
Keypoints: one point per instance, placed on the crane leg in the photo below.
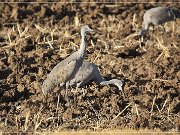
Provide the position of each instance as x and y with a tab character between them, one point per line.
82	83
66	94
58	103
75	97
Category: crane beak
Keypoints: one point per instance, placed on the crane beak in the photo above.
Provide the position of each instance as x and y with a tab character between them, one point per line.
91	30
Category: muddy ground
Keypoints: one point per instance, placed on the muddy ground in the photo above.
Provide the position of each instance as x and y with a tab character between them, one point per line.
35	37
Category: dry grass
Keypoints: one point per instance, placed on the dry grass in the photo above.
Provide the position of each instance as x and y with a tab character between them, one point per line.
107	41
37	120
114	132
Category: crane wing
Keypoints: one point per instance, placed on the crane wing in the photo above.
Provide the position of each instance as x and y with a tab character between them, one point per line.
63	72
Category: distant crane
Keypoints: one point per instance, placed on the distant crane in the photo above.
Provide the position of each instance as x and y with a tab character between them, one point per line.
158	16
66	70
90	71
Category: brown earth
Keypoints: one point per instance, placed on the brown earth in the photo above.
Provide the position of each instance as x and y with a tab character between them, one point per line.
35	37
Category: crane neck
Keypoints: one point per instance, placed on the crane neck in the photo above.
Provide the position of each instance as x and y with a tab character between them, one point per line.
82	49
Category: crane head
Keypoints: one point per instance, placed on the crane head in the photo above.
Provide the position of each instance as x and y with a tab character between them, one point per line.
117	82
85	29
175	12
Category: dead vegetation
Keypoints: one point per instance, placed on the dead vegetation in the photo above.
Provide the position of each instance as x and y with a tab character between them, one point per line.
29	49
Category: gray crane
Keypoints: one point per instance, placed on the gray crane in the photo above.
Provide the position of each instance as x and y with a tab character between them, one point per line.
90	71
66	70
158	16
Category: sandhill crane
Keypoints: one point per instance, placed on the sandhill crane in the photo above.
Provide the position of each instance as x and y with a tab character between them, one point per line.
90	71
66	70
158	16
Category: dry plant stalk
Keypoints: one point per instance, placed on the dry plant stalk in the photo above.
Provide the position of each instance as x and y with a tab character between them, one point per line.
120	113
163	80
26	121
175	46
19	29
137	110
158	108
10	42
37	119
60	46
22	33
14	12
116	46
152	105
97	56
92	43
57	106
46	39
37	123
16	121
97	114
75	46
22	36
173	23
170	120
49	43
105	44
76	21
130	36
165	51
164	105
9	38
134	21
40	28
